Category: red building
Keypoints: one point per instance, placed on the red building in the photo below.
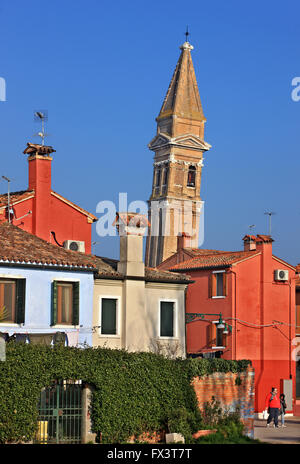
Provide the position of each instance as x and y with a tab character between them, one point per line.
253	293
43	212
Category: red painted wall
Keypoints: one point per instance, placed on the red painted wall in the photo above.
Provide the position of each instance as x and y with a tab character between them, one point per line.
255	299
49	213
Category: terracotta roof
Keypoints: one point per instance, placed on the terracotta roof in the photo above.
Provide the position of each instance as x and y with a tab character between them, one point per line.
258	238
212	260
15	197
108	268
18	246
201	251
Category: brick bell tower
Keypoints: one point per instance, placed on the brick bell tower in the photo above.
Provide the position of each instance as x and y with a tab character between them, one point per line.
175	203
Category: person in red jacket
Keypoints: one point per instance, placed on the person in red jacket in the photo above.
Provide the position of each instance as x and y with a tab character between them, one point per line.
272	405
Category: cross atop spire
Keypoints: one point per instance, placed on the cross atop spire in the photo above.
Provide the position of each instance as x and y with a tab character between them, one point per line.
186	34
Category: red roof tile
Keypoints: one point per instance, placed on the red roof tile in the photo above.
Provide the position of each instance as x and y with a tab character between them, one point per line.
15	197
212	260
19	246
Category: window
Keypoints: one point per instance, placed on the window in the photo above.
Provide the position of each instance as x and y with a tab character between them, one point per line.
167	319
217	338
218	284
158	173
191	176
12	301
166	175
108	316
65	303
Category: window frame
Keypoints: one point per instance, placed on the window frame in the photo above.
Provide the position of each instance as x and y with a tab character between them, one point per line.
20	300
193	170
64	325
118	316
175	318
213	276
224	345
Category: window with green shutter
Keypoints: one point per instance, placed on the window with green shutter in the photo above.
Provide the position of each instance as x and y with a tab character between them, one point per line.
108	316
12	300
65	303
167	319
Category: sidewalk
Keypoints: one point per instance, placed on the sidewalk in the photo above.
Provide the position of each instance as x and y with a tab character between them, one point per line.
287	435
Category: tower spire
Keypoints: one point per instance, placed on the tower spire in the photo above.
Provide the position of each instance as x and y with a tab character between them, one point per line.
182	99
179	146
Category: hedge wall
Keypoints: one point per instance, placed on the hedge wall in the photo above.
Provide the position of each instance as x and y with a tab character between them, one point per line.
134	392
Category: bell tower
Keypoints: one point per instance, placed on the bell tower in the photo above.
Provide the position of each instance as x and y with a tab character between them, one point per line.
175	203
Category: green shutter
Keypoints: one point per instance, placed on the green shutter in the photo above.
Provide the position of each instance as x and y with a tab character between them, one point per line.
76	303
54	303
109	316
166	319
20	301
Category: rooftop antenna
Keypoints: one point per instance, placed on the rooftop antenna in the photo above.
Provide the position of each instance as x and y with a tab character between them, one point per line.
41	116
8	195
270	214
251	227
186	34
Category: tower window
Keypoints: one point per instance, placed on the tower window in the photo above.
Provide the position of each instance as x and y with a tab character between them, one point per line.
191	176
166	175
158	174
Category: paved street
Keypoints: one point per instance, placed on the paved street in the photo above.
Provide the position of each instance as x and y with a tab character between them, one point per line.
287	435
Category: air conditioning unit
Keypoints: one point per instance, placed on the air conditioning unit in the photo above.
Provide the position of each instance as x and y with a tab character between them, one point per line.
281	275
74	245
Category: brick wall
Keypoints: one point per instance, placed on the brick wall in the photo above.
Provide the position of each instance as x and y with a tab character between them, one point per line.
224	388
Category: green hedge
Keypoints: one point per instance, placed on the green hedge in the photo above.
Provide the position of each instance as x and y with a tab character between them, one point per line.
133	392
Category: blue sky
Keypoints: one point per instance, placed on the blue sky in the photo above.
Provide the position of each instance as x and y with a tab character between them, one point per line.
102	69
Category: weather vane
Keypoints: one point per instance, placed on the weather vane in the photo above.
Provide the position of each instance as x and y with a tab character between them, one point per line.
41	116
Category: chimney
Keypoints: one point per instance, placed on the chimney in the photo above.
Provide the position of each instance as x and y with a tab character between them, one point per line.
184	241
249	243
131	228
39	180
264	244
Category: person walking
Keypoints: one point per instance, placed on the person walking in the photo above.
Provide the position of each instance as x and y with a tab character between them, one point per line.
272	405
282	409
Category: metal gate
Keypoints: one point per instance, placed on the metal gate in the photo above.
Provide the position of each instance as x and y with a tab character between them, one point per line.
60	412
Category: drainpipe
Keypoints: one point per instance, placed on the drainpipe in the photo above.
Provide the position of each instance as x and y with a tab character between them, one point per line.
235	322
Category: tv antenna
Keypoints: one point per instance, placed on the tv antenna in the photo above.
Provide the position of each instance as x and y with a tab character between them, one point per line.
251	227
270	214
41	116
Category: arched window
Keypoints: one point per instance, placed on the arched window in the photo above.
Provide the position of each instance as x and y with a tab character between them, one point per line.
191	176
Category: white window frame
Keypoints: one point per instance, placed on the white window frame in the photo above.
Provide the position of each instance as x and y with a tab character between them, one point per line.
219	272
118	316
218	347
175	318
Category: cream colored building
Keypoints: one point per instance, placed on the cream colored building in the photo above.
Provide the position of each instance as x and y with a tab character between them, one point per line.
138	308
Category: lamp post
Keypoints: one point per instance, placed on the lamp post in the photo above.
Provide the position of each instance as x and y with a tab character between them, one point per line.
191	317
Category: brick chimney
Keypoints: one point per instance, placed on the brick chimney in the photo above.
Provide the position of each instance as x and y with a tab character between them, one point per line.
39	180
249	243
131	228
183	241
